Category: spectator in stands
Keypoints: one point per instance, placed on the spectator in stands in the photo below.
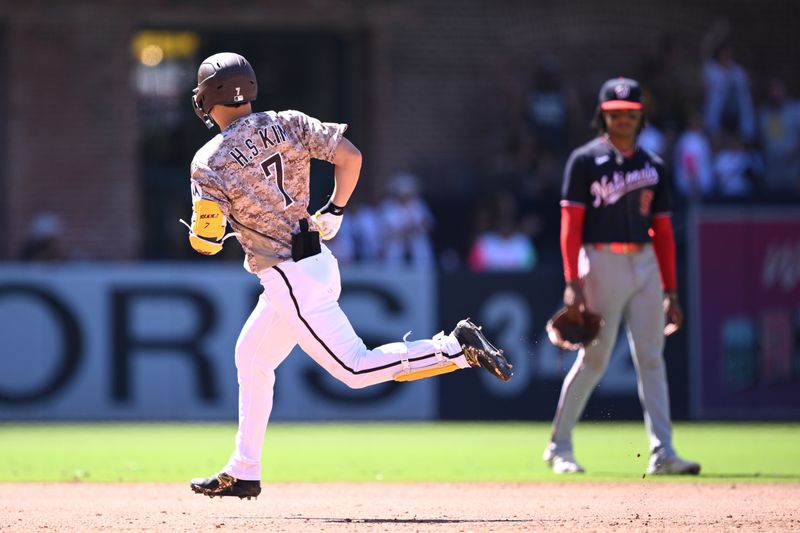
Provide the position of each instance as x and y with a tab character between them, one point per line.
500	243
728	102
779	120
367	233
549	108
653	139
359	238
671	85
537	196
738	169
407	223
504	248
43	240
693	162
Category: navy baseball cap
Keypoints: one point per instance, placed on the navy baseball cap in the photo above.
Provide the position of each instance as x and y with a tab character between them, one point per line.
620	93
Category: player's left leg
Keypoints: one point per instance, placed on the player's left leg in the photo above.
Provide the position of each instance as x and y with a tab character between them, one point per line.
644	319
264	342
307	293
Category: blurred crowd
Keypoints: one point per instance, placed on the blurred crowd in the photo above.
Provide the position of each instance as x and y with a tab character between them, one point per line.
724	136
398	231
740	141
394	231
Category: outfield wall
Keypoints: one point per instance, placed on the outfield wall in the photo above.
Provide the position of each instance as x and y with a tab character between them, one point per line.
155	341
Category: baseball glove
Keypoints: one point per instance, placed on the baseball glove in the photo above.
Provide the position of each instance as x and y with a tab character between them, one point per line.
568	334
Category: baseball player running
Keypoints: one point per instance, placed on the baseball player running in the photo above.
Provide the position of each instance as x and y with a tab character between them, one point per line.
619	261
255	175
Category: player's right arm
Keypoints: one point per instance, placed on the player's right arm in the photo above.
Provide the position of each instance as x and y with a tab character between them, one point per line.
347	162
326	141
574	198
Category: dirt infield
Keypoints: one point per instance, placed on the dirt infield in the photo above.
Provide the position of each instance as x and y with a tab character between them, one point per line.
583	506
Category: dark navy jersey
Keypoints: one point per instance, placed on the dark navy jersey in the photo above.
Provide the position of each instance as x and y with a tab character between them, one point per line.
621	194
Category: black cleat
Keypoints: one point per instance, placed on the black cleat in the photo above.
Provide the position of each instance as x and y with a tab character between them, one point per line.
480	352
226	485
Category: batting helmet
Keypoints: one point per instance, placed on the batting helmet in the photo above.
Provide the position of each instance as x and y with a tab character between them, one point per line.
223	79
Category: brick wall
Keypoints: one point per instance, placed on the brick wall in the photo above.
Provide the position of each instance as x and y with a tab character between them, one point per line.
71	130
439	78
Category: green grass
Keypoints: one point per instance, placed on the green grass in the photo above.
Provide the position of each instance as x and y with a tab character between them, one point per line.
437	452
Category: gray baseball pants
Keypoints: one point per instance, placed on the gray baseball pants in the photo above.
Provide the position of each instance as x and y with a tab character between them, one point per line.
620	286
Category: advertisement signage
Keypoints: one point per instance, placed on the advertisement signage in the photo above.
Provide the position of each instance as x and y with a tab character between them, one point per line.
138	342
745	269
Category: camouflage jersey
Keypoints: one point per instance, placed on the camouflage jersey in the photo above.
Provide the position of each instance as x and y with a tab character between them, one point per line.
258	170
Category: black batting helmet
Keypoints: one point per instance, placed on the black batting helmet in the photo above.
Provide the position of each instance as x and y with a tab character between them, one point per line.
223	79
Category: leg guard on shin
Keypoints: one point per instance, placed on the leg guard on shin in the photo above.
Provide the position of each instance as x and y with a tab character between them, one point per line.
442	365
435	370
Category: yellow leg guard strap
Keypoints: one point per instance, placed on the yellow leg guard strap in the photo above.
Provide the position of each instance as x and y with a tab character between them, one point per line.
204	246
430	371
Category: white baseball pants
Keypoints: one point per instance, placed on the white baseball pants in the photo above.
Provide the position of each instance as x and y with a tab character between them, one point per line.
299	305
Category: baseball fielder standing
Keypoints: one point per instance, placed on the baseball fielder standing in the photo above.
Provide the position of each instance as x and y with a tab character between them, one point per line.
255	175
618	251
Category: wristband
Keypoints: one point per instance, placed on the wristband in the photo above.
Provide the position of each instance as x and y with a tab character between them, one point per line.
332	208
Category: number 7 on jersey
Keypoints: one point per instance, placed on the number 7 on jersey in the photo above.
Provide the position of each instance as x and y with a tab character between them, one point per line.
275	162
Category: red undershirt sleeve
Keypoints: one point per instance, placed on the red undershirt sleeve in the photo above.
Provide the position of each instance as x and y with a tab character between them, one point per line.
571	239
664	245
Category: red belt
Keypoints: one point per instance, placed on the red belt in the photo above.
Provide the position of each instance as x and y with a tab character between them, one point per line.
620	247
